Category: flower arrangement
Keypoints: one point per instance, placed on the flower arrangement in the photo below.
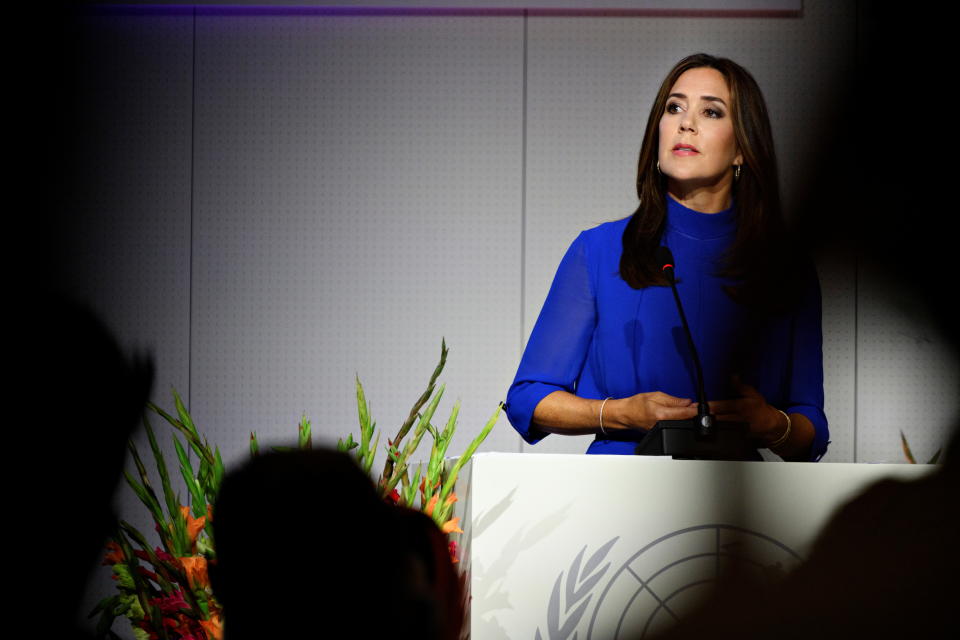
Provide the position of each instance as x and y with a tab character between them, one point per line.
435	483
165	591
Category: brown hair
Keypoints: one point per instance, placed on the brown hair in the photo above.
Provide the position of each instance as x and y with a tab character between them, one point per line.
757	258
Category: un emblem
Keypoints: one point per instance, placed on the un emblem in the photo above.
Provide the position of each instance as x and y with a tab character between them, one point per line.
656	585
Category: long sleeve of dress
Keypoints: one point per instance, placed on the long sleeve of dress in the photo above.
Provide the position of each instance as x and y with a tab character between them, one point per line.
805	385
558	345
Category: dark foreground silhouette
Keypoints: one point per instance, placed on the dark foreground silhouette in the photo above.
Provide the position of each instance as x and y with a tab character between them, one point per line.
305	549
887	564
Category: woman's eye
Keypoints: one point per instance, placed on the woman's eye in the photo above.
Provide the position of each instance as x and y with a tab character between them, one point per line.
712	113
673	107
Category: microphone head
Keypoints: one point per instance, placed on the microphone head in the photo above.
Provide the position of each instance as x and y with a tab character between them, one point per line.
664	259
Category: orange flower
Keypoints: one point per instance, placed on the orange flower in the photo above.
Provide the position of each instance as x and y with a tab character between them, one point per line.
452	526
114	554
433	502
213	627
194	525
431	505
196	569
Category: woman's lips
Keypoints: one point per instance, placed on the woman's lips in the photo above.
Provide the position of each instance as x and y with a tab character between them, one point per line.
685	150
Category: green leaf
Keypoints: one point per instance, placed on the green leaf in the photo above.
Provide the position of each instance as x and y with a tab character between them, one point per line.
462	460
124	578
363	411
205	546
409	493
186	470
104	604
131	606
218	473
344	447
368	461
439	449
168	495
906	449
106	617
936	456
304	441
254	445
140	634
186	427
185	418
149	500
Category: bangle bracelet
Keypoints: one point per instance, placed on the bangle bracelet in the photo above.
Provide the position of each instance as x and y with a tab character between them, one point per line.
602	430
786	434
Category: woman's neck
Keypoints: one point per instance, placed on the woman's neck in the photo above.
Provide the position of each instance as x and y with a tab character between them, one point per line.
705	199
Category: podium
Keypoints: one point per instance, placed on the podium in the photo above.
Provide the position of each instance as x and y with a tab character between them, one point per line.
617	547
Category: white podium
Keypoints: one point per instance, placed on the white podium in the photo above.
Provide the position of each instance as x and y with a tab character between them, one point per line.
618	547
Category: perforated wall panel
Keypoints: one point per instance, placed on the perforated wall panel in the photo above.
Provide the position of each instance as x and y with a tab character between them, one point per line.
129	210
908	375
358	196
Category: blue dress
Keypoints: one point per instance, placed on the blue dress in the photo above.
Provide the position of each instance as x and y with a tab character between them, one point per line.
597	337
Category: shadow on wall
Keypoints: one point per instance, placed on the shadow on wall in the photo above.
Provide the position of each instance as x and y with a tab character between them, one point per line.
885	566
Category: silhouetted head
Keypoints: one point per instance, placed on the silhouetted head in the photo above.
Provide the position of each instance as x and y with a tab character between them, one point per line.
305	548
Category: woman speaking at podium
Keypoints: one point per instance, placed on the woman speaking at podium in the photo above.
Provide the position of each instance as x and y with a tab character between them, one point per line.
608	355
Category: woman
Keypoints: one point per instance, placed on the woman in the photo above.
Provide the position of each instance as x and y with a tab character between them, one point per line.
608	356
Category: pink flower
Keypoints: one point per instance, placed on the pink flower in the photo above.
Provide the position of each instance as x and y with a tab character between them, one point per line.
172	603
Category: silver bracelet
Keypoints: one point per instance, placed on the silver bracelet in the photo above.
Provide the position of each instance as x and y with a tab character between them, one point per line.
786	434
602	430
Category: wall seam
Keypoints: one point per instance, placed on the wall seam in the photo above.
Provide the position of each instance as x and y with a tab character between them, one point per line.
523	201
856	274
193	121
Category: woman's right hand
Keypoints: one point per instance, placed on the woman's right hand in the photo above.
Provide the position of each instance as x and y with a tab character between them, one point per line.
563	412
643	410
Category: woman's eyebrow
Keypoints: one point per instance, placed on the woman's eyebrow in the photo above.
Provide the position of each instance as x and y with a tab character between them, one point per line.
683	96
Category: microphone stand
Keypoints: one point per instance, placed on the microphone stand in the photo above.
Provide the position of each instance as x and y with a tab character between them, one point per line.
701	437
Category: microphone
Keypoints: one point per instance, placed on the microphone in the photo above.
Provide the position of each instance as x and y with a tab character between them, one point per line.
664	258
700	437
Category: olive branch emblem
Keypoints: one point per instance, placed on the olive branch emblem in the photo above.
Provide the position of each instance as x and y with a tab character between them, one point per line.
576	593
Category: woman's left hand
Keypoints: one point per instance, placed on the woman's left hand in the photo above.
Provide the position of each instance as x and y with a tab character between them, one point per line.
765	422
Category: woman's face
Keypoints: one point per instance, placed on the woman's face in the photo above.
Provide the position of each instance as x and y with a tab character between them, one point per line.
697	145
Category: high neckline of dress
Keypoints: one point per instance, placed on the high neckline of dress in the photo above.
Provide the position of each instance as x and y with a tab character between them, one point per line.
704	226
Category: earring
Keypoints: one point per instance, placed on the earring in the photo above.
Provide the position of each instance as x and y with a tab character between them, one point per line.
658	166
736	172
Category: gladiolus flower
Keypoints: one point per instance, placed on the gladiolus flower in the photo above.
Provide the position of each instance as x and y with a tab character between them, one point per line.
150	575
213	627
114	555
431	505
196	569
164	556
172	603
452	526
194	525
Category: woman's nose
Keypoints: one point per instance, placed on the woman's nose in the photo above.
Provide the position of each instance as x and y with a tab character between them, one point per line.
687	124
